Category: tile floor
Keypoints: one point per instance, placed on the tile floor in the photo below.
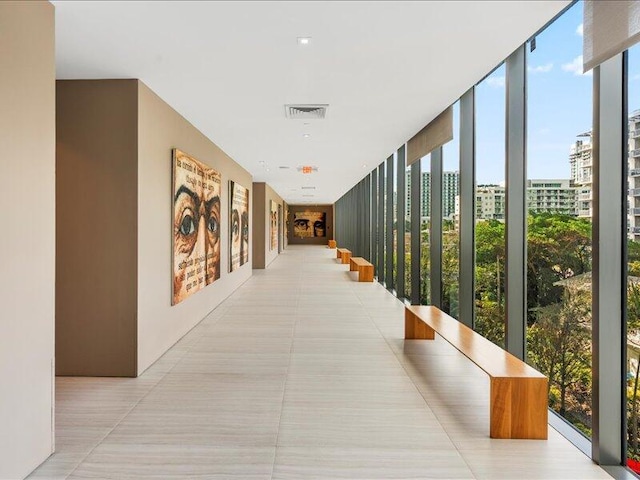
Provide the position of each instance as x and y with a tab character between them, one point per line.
301	374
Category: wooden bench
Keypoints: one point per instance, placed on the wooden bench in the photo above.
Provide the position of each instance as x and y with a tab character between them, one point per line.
332	244
344	255
518	399
364	269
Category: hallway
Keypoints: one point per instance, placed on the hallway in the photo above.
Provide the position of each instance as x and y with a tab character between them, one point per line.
301	373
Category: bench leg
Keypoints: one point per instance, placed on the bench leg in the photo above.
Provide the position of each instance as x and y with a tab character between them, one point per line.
519	408
365	273
416	329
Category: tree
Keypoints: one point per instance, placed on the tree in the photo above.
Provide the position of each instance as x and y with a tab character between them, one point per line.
558	247
560	347
490	254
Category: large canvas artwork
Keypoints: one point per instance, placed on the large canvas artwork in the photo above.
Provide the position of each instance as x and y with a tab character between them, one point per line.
273	217
196	225
238	226
309	224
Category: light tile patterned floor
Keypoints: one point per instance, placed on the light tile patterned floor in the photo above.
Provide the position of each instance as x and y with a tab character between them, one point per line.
301	374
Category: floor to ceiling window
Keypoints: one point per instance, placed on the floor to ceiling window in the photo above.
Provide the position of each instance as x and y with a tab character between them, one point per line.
382	197
394	245
559	191
633	261
490	206
407	234
450	218
425	230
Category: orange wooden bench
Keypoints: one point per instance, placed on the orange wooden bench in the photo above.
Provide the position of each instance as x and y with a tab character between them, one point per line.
332	244
518	403
364	269
344	255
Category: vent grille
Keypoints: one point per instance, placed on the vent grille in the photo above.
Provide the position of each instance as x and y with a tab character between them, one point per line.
305	112
308	188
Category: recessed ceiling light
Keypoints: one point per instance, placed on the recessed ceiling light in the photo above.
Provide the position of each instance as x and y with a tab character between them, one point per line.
364	165
306	135
304	40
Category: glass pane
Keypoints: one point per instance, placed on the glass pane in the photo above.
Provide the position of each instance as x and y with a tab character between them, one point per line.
450	224
425	224
407	235
559	116
490	206
394	250
633	264
382	197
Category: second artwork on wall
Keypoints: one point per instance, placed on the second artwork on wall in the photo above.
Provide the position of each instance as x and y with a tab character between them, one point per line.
238	226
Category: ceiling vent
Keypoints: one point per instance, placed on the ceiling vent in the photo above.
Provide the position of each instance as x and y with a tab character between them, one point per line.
306	112
308	188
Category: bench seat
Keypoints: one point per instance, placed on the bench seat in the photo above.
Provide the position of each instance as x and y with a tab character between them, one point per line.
518	403
363	267
344	255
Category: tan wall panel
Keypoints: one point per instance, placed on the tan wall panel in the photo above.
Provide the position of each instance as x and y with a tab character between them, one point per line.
260	206
96	225
27	256
160	325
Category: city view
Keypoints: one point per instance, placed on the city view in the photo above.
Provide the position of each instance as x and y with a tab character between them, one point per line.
559	227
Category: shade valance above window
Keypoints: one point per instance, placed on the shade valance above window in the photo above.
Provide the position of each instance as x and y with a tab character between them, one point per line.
438	132
610	27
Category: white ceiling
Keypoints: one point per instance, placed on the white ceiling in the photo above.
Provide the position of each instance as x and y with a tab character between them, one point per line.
385	69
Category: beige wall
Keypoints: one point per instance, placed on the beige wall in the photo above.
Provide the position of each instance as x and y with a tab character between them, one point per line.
259	223
160	128
114	313
328	209
96	227
263	195
27	256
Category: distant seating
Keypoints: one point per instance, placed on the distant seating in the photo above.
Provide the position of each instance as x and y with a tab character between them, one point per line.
344	255
332	244
364	269
518	403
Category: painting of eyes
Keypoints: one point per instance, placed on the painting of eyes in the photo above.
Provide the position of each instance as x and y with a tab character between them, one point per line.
196	226
309	224
238	226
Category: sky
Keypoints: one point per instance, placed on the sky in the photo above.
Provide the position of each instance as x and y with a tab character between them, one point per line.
559	105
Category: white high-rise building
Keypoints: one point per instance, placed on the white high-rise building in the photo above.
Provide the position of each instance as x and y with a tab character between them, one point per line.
555	196
581	174
450	190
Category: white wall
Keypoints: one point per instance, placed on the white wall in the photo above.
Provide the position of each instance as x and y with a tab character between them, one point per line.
27	242
160	325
